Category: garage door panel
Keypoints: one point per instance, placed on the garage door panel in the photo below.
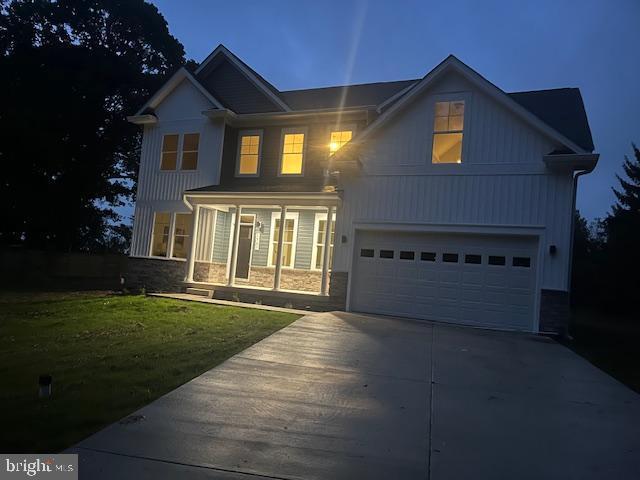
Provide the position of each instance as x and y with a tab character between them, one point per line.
483	288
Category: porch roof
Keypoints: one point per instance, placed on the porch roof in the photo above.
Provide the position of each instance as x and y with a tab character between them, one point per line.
262	195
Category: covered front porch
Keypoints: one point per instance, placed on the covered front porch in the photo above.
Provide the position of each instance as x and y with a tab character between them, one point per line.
271	242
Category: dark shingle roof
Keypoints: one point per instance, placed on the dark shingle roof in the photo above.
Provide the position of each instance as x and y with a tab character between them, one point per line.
562	109
365	94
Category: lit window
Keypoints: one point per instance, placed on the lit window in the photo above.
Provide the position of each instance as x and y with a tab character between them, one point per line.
448	124
249	154
160	240
190	151
321	225
182	233
169	152
292	154
287	241
338	139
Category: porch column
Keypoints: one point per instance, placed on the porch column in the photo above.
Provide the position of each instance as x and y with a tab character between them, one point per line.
283	217
324	285
194	238
234	248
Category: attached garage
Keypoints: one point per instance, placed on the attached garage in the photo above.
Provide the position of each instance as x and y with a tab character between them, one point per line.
482	280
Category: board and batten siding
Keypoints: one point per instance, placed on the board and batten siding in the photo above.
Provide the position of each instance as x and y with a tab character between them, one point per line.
162	191
502	182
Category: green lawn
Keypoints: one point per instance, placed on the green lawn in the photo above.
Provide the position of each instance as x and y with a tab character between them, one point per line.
610	342
108	355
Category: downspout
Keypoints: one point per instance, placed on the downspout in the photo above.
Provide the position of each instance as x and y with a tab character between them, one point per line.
573	225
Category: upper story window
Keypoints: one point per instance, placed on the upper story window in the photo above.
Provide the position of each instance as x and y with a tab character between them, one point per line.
338	139
190	144
293	151
249	149
169	152
188	153
448	123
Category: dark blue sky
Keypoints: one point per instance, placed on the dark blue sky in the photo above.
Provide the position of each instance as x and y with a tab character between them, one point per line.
591	44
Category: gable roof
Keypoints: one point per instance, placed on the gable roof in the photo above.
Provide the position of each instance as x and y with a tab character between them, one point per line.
176	79
559	113
258	81
451	63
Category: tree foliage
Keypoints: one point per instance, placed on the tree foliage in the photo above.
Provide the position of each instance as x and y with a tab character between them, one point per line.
72	70
606	258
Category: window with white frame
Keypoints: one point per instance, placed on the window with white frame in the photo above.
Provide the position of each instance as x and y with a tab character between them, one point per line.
293	151
169	159
190	145
187	151
160	236
163	244
338	139
249	149
288	240
319	230
182	235
448	125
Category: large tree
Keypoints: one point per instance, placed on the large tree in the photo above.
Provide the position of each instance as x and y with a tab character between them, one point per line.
623	236
71	72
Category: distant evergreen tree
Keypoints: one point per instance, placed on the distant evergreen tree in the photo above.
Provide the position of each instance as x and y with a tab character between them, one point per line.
629	195
623	238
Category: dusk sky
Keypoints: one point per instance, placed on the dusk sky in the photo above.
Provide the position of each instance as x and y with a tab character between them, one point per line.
590	44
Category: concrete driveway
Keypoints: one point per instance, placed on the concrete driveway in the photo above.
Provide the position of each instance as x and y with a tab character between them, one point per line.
344	396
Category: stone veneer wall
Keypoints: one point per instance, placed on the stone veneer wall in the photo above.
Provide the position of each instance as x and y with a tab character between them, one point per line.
554	311
155	275
336	300
290	279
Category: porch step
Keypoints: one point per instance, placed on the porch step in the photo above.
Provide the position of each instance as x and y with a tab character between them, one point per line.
202	292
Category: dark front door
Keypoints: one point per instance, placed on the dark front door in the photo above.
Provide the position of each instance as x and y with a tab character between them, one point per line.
244	251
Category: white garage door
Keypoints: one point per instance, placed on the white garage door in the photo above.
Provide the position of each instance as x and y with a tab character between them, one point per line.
483	280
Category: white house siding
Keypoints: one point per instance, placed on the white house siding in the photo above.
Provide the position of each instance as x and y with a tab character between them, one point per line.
160	190
501	182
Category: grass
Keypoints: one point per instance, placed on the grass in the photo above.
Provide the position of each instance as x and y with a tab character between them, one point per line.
610	342
108	355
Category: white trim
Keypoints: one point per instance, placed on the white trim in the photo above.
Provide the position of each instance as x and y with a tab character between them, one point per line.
170	85
452	63
181	152
253	233
221	49
173	231
295	216
230	243
142	119
290	131
153	229
316	228
149	257
247	133
393	98
467	98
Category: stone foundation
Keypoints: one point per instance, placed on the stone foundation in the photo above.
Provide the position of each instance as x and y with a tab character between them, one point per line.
336	300
155	275
554	312
261	277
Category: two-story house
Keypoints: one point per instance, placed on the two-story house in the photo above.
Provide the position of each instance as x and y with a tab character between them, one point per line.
440	198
